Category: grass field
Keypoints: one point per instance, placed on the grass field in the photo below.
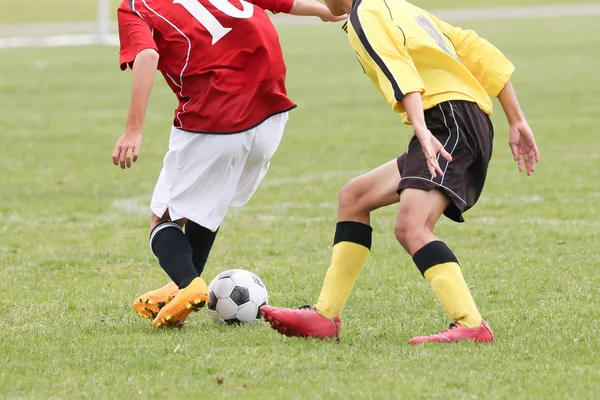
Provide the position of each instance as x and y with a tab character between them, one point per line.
74	251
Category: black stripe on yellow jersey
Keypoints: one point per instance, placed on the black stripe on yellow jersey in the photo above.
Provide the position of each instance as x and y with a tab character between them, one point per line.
360	32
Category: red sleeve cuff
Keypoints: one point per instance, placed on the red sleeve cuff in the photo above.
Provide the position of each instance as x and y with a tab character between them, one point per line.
127	60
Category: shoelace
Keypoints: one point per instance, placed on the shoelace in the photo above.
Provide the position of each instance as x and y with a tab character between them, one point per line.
452	326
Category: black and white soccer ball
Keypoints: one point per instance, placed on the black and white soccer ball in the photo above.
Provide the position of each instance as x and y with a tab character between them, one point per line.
236	297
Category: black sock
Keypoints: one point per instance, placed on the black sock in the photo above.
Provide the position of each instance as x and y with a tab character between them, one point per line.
174	253
201	240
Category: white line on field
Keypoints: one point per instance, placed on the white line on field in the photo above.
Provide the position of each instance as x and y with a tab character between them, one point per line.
81	33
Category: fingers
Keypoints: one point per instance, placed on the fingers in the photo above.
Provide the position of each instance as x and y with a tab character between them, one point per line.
128	157
433	165
514	148
115	154
529	163
520	163
124	156
536	152
445	154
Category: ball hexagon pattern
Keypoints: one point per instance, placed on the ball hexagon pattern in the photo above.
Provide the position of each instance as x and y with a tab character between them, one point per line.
236	296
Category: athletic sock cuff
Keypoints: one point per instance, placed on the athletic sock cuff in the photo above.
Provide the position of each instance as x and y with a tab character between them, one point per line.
159	228
433	254
354	232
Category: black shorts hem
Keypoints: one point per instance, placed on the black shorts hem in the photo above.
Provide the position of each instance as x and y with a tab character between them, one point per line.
455	208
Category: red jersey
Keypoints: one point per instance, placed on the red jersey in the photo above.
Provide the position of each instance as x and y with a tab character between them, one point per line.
222	59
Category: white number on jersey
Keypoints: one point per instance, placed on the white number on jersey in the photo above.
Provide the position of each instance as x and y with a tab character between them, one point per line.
209	21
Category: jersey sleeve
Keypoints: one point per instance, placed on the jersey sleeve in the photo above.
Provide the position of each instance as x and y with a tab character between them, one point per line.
487	64
135	35
380	44
275	6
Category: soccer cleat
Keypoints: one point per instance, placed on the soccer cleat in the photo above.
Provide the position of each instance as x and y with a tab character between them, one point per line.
149	304
301	322
456	333
188	299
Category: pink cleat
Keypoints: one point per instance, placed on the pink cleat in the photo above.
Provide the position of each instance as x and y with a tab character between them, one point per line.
303	322
457	333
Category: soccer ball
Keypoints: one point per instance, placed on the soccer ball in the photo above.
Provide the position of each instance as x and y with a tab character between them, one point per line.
236	297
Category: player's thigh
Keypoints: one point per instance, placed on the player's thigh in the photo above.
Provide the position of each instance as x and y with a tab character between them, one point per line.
375	189
420	209
266	139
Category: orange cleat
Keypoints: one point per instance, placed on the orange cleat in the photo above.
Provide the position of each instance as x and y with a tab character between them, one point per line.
149	304
188	299
458	333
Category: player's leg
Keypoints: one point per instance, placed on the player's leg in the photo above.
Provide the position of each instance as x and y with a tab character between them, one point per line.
201	240
174	254
196	184
418	213
149	304
352	238
424	199
352	243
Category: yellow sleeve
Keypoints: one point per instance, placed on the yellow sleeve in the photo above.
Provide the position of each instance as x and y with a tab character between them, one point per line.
487	64
380	47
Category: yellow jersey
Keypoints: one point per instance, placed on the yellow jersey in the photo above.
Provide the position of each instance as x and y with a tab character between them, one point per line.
405	49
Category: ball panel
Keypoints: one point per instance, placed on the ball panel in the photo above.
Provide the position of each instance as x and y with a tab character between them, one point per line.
226	308
239	295
258	281
258	313
227	274
247	312
242	278
223	288
258	294
212	302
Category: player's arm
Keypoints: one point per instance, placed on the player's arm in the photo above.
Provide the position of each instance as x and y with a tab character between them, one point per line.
487	64
314	8
521	139
139	52
128	146
381	43
299	7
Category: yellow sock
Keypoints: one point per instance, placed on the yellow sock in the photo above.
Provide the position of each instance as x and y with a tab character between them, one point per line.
450	288
346	262
351	249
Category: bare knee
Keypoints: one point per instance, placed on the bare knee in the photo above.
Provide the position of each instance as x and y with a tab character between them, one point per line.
351	199
412	233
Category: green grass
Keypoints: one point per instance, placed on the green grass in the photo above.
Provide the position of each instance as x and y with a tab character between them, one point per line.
74	252
19	11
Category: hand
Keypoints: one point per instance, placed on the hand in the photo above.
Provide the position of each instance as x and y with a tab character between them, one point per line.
127	148
431	148
523	147
333	18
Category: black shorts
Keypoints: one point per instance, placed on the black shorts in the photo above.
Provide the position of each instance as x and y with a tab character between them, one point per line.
467	134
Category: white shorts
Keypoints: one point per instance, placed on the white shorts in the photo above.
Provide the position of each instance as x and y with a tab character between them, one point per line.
203	175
